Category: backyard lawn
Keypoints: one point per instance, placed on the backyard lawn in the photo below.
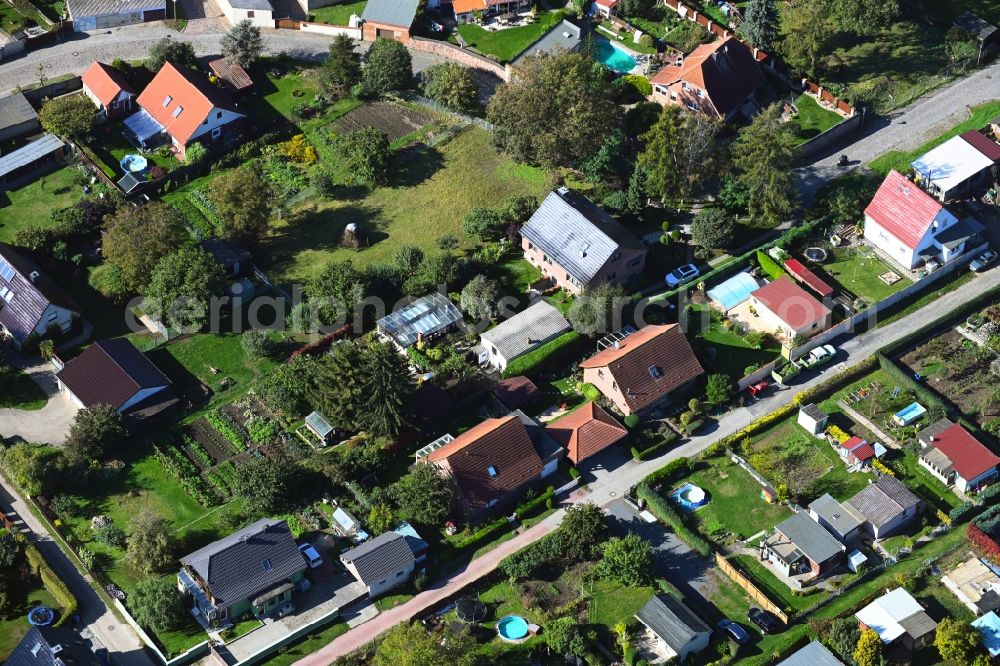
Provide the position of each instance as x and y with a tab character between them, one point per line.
509	43
14	628
857	270
110	147
338	14
30	205
724	349
22	393
813	119
779	593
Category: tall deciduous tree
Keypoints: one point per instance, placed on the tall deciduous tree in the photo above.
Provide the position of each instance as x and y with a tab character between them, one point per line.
175	51
957	642
555	109
263	485
764	153
563	637
637	8
71	117
95	430
243	43
149	545
242	200
336	292
452	86
365	153
599	310
481	298
582	531
806	32
628	560
342	67
423	495
181	286
863	17
681	154
388	387
760	24
135	239
388	66
156	604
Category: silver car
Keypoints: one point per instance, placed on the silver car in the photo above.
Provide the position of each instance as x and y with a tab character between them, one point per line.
679	276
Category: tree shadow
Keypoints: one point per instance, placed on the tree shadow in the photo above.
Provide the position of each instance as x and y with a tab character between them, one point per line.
415	165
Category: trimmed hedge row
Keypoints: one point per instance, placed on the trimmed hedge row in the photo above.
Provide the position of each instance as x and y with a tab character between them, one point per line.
664	512
770	266
528	508
961	312
524	364
676	467
966	510
56	587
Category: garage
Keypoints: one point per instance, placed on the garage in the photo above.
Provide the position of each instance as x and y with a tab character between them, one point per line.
106	14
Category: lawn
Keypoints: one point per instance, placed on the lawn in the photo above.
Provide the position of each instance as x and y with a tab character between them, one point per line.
338	14
439	186
14	628
611	602
317	639
31	204
900	160
109	147
735	504
774	588
23	393
857	271
724	349
813	119
507	44
517	275
911	304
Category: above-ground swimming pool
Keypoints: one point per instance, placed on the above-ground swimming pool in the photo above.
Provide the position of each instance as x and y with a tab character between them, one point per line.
613	57
41	616
512	628
690	497
909	414
133	164
815	254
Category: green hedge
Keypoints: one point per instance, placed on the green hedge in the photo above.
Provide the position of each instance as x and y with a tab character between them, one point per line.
660	507
963	311
675	468
770	267
529	507
56	587
652	451
524	364
924	395
488	531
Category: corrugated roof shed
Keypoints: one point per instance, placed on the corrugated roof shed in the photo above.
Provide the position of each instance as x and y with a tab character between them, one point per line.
526	330
30	153
813	654
808	278
391	12
15	109
86	8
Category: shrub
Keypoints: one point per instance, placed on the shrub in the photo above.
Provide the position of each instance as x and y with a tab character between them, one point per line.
631	421
574	473
529	507
640	83
590	392
674	469
692	428
770	267
664	512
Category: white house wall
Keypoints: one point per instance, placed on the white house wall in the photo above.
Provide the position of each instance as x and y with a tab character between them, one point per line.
213	122
881	238
262	18
54	316
140	396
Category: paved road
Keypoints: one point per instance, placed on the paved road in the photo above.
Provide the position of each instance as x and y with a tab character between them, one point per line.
609	475
97	622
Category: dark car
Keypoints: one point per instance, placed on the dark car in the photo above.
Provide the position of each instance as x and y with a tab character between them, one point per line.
734	631
766	621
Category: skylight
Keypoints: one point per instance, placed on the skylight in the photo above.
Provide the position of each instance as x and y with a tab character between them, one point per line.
6	293
167	100
654	372
267	565
177	111
6	272
492	470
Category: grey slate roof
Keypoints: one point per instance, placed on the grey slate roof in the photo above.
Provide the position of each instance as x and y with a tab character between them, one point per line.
927	435
840	517
882	501
378	558
810	537
671	620
814	654
526	330
23	312
35	649
15	109
234	567
576	234
86	8
392	12
262	5
427	316
813	411
30	152
564	36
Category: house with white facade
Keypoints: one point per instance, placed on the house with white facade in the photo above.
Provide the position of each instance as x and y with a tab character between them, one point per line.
955	457
522	333
380	564
31	305
108	90
259	12
913	228
789	310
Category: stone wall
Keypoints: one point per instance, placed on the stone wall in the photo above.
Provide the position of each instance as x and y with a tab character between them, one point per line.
459	55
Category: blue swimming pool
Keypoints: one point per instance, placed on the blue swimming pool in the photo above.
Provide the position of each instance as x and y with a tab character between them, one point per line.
690	497
613	57
909	414
512	628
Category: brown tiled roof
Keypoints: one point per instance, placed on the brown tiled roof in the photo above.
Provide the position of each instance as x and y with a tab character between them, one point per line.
516	392
110	372
498	445
586	431
725	70
649	364
230	73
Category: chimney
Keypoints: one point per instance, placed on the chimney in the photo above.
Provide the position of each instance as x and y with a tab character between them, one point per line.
33	276
618	344
562	191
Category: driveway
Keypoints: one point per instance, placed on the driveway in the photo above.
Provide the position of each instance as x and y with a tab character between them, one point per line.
48	425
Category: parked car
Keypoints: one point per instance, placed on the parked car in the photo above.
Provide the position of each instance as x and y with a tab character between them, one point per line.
818	356
983	261
312	555
679	276
767	622
734	631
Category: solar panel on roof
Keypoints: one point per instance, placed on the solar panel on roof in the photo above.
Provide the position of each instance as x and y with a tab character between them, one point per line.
6	272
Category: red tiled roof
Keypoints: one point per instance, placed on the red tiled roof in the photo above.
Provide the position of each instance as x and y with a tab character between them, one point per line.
187	90
105	82
586	431
863	452
903	209
969	457
466	6
725	69
610	4
808	278
983	144
502	445
663	348
791	303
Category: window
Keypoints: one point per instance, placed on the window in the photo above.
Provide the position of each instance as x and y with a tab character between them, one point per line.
250	14
266	564
600	372
216	133
178	111
53	316
673	95
167	100
218	114
6	272
701	93
530	246
614	385
635	262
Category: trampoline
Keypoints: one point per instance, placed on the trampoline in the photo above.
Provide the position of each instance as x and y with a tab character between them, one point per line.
470	611
733	291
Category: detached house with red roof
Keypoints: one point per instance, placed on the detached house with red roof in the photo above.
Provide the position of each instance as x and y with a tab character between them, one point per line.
108	90
913	228
179	107
586	431
717	79
789	310
953	455
645	369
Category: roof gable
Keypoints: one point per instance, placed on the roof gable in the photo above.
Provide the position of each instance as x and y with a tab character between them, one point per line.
903	209
586	431
110	372
105	82
378	558
671	620
882	501
180	100
29	298
725	70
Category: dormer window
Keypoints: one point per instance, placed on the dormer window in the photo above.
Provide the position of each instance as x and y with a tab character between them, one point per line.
654	372
266	564
167	100
178	111
492	471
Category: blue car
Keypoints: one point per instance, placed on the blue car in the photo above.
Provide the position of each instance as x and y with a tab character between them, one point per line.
734	631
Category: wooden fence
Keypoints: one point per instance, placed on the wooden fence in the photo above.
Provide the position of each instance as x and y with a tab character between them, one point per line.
743	581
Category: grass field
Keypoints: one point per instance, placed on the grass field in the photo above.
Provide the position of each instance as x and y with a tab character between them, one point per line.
780	593
724	349
31	204
611	602
858	272
507	44
14	628
338	14
429	200
23	393
812	119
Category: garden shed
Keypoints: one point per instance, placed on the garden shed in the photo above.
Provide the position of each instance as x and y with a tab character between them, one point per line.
319	426
733	291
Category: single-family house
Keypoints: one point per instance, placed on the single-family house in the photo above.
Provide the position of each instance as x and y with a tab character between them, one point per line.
181	106
843	522
606	8
813	419
959	167
113	372
677	629
976	585
494	461
564	36
988	627
515	393
380	564
956	457
579	246
523	333
813	654
800	545
645	369
231	73
586	431
259	12
53	646
43	154
856	451
108	90
31	305
104	14
913	228
18	118
886	505
789	310
898	618
422	320
253	571
466	11
388	19
716	79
